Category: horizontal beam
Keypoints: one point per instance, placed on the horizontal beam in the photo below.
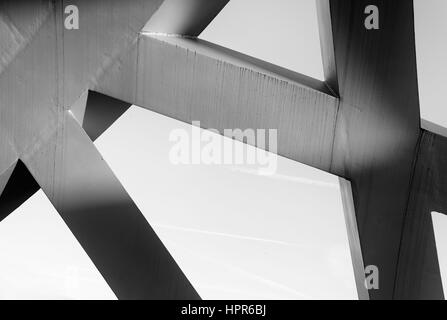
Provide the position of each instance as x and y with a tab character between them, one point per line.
194	80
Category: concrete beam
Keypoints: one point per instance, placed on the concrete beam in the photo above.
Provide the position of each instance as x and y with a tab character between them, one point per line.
354	238
106	29
377	127
96	112
194	80
19	22
103	217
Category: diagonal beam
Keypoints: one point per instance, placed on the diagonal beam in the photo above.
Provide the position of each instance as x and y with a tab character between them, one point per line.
194	80
4	177
374	72
96	112
104	219
184	17
106	28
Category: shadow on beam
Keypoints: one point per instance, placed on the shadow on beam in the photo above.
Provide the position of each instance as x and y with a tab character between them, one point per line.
101	112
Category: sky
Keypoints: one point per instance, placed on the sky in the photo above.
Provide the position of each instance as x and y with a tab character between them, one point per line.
236	234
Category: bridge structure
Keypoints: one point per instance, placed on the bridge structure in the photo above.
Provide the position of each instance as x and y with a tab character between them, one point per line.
60	89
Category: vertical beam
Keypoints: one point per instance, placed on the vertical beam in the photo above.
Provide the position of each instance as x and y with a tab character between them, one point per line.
418	275
20	187
103	217
377	125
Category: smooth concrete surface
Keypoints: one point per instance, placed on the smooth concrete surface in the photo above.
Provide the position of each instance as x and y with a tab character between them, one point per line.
378	121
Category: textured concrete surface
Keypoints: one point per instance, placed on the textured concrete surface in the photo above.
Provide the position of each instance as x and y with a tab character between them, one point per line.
182	17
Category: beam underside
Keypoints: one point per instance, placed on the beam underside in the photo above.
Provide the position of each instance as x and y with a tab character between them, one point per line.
419	275
19	188
378	123
104	219
370	138
184	17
